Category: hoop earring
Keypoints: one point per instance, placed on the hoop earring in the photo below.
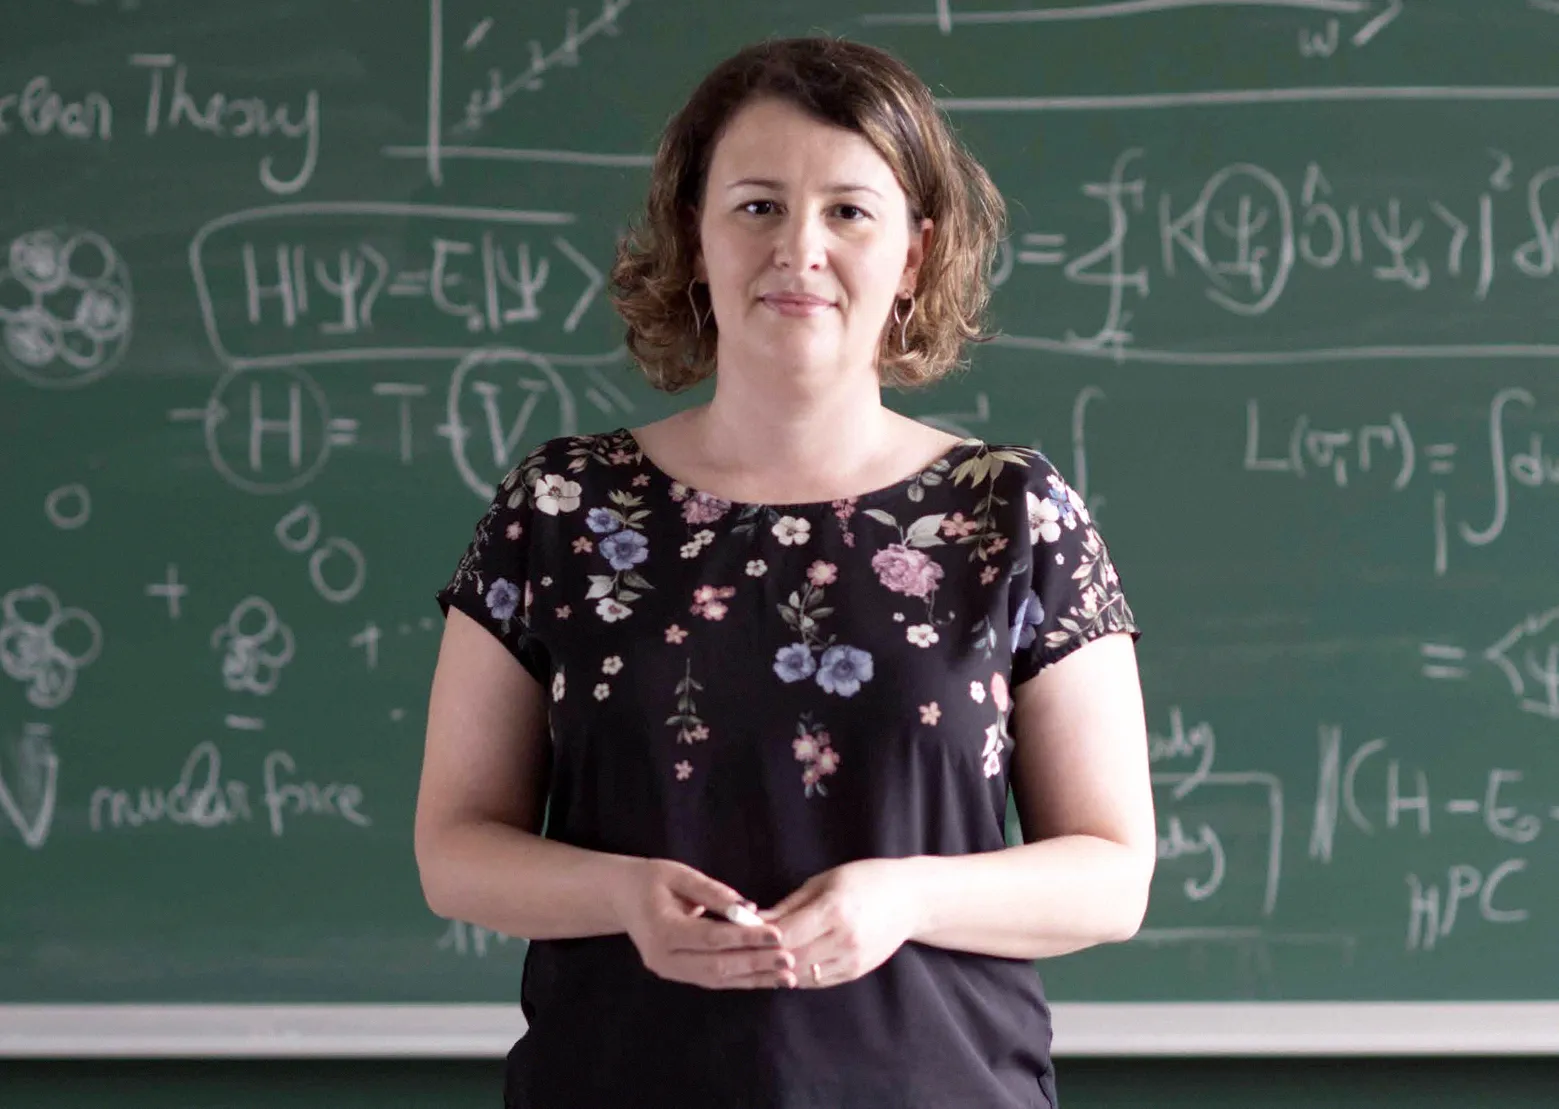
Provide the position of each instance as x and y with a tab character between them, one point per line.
698	317
904	323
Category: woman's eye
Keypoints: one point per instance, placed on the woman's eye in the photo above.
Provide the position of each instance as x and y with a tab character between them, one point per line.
851	212
768	205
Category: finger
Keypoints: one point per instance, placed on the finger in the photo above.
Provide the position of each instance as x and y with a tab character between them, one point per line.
710	933
702	890
734	970
806	924
790	904
823	949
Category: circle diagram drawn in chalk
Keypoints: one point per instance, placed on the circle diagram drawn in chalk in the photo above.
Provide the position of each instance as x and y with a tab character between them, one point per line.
65	307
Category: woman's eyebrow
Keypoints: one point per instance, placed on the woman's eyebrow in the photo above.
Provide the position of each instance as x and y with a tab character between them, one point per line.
834	187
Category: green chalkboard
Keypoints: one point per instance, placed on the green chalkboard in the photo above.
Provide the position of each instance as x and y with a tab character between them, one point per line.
288	286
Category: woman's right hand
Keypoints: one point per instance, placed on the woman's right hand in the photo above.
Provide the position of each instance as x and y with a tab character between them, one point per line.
672	912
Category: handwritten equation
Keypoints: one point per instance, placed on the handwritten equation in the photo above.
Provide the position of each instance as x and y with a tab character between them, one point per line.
303	283
1502	803
1249	241
1385	452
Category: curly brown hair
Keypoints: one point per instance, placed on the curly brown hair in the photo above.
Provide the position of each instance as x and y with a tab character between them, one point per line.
862	89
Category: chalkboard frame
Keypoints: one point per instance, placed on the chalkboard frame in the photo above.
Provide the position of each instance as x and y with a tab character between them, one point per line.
1176	1029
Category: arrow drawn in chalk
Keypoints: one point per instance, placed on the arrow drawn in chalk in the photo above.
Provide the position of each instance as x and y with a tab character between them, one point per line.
1366	33
1380	13
37	779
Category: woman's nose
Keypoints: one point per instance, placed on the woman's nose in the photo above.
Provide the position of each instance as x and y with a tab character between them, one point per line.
801	244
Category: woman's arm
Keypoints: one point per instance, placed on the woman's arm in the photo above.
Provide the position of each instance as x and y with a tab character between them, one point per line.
1081	784
485	769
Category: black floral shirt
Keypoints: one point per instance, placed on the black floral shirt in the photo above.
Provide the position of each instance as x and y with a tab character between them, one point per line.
765	692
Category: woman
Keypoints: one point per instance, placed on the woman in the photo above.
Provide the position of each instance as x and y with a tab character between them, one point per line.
789	649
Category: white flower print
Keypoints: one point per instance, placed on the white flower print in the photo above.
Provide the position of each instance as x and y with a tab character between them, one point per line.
1044	519
930	714
792	531
992	751
898	617
602	691
921	635
557	685
684	770
612	664
757	568
554	494
699	541
977	691
611	611
514	530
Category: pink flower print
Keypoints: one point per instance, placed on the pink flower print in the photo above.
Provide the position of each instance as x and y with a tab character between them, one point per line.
843	510
822	573
514	530
623	458
709	601
684	770
811	747
638	482
701	508
930	714
583	545
564	612
675	634
999	692
996	544
988	575
958	525
906	571
698	733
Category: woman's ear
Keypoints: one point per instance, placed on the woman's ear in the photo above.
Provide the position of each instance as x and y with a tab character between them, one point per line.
919	247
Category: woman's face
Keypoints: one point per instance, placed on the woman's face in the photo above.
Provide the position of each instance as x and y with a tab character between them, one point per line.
805	241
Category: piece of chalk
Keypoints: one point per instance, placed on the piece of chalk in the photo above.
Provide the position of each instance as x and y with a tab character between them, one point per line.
741	914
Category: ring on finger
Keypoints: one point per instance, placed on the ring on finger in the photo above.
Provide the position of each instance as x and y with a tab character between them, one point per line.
817	974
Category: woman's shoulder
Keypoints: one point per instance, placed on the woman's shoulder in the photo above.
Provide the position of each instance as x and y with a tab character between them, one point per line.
565	466
1005	469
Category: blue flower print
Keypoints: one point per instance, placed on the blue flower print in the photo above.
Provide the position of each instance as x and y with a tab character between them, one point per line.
794	663
625	549
603	521
842	670
1063	498
503	596
1031	614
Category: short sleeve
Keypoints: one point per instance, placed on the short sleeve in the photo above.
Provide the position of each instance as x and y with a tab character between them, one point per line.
1066	592
491	583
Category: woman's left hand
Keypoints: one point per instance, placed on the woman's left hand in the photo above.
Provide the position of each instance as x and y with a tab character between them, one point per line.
847	921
